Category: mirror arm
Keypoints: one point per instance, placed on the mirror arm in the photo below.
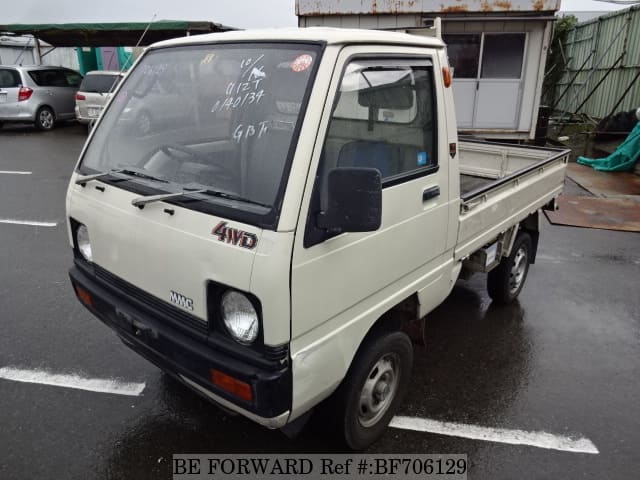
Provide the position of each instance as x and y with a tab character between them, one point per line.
322	223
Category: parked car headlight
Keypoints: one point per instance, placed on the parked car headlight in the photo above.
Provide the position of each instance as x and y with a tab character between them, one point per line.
83	243
240	317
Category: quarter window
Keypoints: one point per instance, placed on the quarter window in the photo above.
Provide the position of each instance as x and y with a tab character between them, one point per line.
9	78
73	79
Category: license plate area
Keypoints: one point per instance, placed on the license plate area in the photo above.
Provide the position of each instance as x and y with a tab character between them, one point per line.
3	97
93	112
134	326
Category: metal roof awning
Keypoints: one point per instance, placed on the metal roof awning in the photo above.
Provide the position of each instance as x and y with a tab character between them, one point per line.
111	34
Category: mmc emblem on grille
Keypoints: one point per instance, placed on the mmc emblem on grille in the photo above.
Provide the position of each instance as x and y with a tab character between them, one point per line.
181	300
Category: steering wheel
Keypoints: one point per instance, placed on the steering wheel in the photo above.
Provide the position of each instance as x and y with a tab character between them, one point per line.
224	171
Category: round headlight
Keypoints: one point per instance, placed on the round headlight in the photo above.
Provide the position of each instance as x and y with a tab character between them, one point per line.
240	317
82	239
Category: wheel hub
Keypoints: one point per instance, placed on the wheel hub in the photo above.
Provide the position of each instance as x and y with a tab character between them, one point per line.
379	390
516	275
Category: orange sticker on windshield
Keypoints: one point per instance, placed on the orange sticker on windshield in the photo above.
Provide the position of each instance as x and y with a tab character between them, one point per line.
301	63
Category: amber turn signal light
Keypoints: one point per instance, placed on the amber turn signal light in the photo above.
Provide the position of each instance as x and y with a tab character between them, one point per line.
446	76
84	296
232	385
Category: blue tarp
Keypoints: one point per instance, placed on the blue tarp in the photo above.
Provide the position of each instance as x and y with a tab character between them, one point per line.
623	159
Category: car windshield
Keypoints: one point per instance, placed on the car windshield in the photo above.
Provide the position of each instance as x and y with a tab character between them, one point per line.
219	116
99	83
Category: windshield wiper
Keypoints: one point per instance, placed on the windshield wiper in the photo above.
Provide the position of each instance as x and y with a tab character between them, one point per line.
140	202
233	196
82	179
131	171
223	194
141	173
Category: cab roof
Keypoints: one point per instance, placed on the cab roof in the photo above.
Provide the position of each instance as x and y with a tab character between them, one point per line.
331	36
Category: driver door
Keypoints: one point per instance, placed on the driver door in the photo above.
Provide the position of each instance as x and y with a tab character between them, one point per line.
338	279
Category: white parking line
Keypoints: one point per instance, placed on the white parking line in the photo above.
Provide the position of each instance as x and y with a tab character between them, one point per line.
500	435
72	381
28	222
14	172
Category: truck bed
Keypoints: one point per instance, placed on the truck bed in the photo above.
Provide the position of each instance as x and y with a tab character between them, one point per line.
502	184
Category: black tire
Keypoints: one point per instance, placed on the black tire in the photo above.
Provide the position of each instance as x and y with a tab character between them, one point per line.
358	427
45	119
1	124
505	282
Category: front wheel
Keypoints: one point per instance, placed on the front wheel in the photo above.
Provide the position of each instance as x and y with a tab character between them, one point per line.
45	119
374	387
505	282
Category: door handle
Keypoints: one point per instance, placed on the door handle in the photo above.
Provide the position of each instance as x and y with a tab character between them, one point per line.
430	193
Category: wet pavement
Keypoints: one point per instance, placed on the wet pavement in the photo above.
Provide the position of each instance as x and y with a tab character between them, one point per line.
565	359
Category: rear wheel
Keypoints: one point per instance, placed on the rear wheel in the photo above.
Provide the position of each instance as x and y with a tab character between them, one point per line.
505	282
373	389
45	119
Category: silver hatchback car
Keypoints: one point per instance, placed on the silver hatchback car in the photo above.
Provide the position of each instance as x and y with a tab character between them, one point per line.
42	95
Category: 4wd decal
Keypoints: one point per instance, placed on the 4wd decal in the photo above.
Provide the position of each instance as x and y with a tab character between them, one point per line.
234	236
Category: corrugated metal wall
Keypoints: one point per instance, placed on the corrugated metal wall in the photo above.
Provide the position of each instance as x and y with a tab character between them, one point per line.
594	47
62	56
12	54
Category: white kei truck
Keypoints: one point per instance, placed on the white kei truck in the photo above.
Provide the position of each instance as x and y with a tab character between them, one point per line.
269	215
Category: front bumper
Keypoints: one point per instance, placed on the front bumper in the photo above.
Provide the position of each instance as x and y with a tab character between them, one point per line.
185	353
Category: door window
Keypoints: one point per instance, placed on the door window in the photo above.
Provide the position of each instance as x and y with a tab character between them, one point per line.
502	55
384	118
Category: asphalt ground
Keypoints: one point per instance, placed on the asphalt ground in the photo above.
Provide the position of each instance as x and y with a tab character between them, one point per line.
565	359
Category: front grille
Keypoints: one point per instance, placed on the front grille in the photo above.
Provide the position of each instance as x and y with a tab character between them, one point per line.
272	357
152	302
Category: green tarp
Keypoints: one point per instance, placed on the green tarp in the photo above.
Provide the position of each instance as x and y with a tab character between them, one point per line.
111	34
623	159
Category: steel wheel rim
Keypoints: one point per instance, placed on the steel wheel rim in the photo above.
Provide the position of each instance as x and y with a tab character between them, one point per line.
379	390
516	275
46	119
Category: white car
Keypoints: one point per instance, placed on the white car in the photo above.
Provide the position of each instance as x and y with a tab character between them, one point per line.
94	92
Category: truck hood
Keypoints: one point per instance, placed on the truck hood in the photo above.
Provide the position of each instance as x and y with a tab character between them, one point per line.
170	256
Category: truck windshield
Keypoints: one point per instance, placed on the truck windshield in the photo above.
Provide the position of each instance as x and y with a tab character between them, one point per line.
221	116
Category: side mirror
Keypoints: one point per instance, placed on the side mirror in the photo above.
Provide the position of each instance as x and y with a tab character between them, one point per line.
354	201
